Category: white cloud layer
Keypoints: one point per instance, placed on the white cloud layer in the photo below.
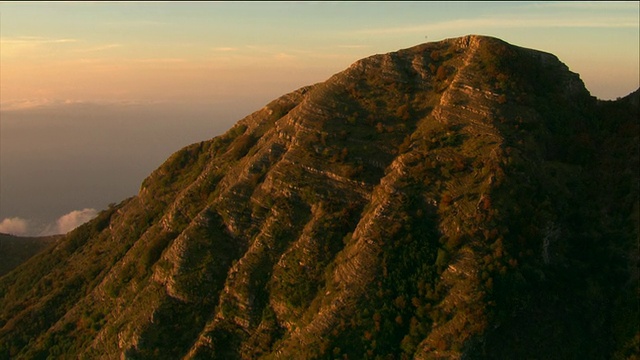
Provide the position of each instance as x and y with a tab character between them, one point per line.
34	40
74	219
14	226
67	222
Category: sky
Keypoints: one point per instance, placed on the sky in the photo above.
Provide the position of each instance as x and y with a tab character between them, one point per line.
95	95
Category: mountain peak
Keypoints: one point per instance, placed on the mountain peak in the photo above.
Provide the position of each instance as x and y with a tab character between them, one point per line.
419	204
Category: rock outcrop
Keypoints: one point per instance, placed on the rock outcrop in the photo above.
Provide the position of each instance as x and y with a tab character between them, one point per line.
458	199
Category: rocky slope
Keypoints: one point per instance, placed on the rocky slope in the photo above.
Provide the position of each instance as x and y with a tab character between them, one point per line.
459	199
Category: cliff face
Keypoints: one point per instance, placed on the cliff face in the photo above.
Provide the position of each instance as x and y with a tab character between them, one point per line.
459	199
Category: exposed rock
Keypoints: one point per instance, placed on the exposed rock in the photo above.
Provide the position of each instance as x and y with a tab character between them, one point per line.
442	201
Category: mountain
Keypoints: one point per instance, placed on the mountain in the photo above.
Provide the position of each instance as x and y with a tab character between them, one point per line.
458	199
15	250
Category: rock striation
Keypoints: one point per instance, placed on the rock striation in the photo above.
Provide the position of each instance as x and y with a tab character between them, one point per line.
458	199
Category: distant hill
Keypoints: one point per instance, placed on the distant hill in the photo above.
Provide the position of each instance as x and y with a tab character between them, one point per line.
461	199
15	250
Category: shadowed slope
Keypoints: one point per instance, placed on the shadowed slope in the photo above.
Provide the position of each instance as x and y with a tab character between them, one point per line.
15	250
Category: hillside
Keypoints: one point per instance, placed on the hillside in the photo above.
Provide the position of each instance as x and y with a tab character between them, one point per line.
459	199
15	250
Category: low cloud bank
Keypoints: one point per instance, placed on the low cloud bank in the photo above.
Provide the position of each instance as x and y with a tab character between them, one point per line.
67	222
14	226
70	221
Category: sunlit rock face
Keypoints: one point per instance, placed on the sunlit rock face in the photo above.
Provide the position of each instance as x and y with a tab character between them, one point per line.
457	199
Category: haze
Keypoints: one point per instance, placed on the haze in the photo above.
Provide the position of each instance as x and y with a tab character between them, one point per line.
94	96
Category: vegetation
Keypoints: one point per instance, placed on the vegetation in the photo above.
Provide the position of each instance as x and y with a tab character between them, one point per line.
15	250
459	199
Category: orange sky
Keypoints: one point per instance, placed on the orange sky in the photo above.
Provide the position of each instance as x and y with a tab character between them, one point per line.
181	51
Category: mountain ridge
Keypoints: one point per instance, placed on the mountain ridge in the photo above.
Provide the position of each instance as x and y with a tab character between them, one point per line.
372	214
14	250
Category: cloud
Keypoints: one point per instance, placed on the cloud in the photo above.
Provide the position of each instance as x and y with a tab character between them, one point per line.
69	221
22	104
74	219
28	104
507	22
21	46
354	46
604	5
284	56
99	48
64	224
14	226
135	23
159	60
35	103
225	49
34	40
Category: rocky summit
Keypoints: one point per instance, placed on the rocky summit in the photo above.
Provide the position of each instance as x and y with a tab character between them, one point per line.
460	199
